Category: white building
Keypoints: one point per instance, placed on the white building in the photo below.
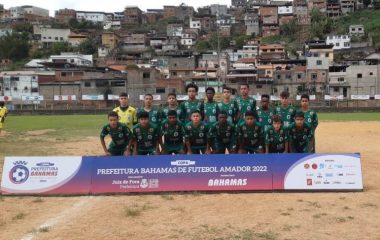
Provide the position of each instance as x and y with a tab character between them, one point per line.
339	41
19	83
284	10
73	58
250	51
195	24
112	25
95	17
103	51
188	40
19	12
47	36
357	30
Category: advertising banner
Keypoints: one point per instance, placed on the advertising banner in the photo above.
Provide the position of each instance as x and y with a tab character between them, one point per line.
93	97
332	98
32	98
181	173
312	97
360	97
155	97
46	175
317	172
65	97
5	98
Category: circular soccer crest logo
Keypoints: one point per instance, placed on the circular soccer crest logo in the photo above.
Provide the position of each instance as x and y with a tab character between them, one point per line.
19	174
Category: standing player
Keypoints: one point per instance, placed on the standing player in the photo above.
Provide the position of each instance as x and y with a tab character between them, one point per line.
210	107
276	137
311	117
300	135
154	114
192	104
228	105
172	105
145	136
222	135
244	103
196	135
265	113
173	134
250	135
285	111
127	114
120	135
3	114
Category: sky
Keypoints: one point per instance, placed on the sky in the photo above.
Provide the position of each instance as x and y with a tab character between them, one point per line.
106	6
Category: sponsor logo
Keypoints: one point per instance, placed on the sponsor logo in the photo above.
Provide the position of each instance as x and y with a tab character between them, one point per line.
314	166
44	169
329	175
182	163
317	182
350	174
326	182
320	175
329	160
340	166
309	182
321	166
350	183
340	174
337	182
19	173
306	166
309	175
227	182
45	164
144	183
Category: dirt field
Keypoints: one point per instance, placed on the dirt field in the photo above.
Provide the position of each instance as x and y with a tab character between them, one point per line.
208	216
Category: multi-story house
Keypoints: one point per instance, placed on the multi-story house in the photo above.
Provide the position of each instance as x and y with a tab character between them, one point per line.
133	15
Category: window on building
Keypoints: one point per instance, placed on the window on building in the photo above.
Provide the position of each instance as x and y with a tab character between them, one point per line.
87	84
63	74
336	89
56	38
337	44
341	79
101	83
371	73
359	75
174	73
259	86
118	83
146	75
278	76
319	62
314	76
299	76
34	90
327	55
346	44
160	90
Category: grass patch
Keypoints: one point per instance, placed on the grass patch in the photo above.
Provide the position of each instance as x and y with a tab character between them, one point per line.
178	209
319	215
19	216
136	210
371	205
44	229
314	204
38	200
167	197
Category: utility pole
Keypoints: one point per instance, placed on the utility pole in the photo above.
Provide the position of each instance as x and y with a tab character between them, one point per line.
217	33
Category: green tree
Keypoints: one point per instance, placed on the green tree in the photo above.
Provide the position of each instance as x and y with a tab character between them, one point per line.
15	46
290	29
89	46
59	47
320	24
202	46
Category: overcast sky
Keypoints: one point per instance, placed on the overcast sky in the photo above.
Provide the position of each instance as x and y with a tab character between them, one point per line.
106	6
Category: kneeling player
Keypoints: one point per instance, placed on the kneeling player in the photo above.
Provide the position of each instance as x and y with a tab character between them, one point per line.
173	134
300	135
276	137
222	135
145	136
120	135
250	135
196	135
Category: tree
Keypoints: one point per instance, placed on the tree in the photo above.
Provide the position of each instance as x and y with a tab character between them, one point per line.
202	46
89	46
290	29
320	24
59	47
14	46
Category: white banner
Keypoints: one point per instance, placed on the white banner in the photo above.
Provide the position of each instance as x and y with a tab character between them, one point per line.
377	97
256	97
65	97
155	97
5	98
32	98
113	97
274	98
37	174
312	97
92	97
331	98
359	97
326	172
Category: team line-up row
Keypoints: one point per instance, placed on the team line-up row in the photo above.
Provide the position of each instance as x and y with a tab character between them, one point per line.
197	127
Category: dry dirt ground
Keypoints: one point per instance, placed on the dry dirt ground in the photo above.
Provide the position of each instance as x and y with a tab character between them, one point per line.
209	216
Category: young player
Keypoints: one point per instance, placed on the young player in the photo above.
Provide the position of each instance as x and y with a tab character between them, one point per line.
127	114
276	137
154	114
228	105
311	117
285	111
145	136
173	134
120	135
172	105
222	135
210	107
3	114
264	113
244	103
250	135
196	135
300	135
192	104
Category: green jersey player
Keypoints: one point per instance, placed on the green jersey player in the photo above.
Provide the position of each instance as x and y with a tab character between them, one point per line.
172	105
250	135
311	117
196	135
264	113
300	135
222	135
210	107
192	104
227	105
285	111
120	135
276	137
154	114
244	103
145	136
172	133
